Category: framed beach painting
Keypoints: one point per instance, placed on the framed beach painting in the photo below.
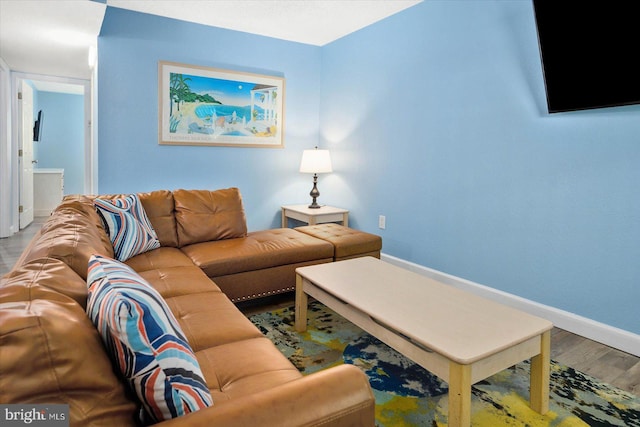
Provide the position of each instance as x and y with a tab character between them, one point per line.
211	106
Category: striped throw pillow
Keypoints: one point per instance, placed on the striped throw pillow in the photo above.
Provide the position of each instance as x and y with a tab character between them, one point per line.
145	341
127	225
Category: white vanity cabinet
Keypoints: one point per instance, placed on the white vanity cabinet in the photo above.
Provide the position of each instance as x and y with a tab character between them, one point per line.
48	190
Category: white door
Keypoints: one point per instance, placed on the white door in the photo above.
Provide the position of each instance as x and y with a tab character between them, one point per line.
25	102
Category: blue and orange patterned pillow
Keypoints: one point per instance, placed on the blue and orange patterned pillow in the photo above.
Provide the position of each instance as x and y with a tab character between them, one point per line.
127	225
145	341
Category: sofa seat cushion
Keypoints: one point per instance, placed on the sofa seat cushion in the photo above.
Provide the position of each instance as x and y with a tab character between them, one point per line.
127	225
158	258
232	372
177	281
210	319
259	250
51	353
203	215
145	341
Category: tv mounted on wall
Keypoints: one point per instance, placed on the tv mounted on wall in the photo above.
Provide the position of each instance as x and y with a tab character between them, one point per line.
589	52
37	127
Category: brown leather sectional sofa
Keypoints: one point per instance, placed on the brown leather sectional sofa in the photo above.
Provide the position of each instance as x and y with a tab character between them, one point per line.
50	352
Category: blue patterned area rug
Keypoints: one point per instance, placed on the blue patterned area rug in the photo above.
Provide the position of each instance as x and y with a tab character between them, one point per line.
408	395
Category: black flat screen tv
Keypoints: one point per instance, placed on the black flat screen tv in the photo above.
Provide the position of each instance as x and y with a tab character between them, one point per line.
589	51
37	127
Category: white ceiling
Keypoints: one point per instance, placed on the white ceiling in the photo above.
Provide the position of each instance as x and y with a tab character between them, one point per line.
57	86
49	37
53	37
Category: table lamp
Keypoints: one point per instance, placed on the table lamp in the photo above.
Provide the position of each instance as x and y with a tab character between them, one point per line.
315	161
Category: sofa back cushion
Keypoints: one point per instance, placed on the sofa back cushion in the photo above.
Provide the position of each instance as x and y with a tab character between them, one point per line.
49	273
72	234
51	353
159	206
204	215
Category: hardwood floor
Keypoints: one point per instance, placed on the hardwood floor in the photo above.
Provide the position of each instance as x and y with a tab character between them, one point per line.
609	365
12	247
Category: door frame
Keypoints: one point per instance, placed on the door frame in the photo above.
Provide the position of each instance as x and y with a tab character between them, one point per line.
6	204
26	160
90	146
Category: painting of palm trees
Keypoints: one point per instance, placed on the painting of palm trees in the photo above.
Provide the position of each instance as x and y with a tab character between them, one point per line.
210	106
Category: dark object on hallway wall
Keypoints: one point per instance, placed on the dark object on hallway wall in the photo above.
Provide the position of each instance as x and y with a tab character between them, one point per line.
37	127
588	52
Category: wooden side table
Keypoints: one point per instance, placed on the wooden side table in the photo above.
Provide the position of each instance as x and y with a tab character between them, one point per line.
314	216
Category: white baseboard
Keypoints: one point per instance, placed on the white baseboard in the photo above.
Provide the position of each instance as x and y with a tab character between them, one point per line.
609	335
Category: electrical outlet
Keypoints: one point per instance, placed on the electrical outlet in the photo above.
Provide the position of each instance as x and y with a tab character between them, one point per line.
382	222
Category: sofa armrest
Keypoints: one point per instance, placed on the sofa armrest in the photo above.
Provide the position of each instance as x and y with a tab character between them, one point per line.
340	396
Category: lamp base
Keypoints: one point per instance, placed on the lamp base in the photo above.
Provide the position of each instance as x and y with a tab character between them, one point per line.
314	193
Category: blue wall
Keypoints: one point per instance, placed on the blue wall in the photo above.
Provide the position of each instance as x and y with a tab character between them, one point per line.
62	142
436	118
130	159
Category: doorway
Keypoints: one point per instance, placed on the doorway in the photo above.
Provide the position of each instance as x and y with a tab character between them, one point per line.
64	144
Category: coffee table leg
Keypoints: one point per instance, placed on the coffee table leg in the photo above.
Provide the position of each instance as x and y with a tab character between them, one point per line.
459	395
301	305
540	370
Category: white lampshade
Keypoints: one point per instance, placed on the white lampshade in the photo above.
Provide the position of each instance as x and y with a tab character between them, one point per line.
315	161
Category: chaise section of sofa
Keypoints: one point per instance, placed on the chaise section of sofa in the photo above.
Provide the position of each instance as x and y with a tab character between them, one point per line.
261	264
52	353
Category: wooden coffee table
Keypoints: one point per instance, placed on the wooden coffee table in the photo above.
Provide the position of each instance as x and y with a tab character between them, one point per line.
460	337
